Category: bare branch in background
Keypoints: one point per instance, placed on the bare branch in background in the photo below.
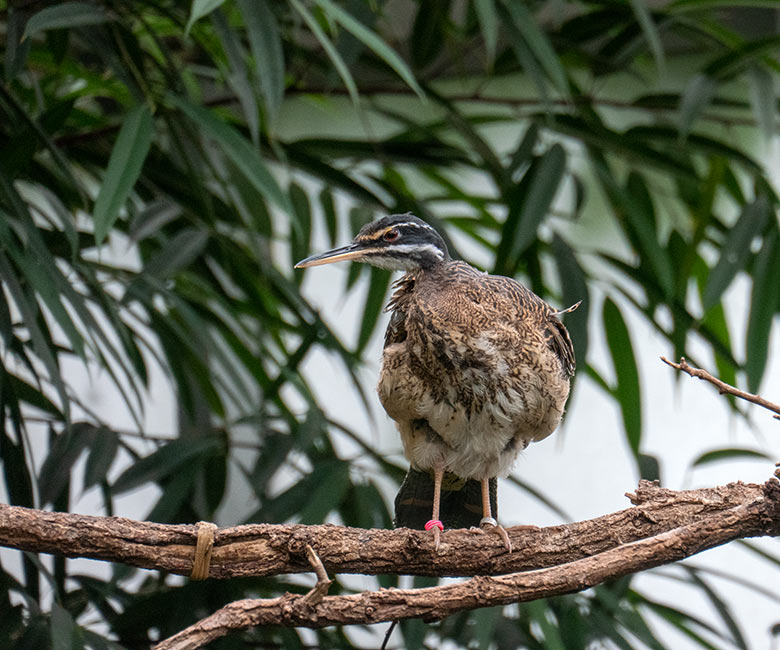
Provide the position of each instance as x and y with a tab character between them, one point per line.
723	387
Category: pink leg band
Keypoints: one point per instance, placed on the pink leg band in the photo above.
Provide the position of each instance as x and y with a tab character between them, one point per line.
434	523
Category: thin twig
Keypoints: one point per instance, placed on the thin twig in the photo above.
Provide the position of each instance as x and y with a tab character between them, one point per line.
318	591
723	387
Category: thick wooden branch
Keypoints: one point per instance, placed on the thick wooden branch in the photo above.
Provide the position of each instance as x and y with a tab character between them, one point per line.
759	514
265	549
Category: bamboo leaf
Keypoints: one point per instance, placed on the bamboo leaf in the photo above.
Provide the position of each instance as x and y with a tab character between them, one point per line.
640	213
101	456
538	44
763	100
65	15
164	462
764	303
266	45
199	9
330	50
736	249
372	42
124	167
727	454
379	280
245	157
238	76
488	24
696	97
649	29
624	362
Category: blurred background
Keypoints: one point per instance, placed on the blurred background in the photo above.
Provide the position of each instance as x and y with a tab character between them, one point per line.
164	164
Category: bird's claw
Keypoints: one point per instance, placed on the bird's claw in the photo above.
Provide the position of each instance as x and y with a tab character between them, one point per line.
436	538
488	524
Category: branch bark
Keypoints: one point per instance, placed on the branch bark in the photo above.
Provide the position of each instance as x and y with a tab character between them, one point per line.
266	549
664	526
759	515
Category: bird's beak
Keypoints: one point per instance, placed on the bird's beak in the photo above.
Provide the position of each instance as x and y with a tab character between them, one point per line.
349	252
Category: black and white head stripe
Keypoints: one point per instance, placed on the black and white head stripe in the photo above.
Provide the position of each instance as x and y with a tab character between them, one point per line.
401	241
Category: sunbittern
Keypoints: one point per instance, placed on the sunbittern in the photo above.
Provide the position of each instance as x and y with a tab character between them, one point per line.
474	368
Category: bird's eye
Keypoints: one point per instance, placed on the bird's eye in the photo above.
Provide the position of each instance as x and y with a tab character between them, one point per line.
392	235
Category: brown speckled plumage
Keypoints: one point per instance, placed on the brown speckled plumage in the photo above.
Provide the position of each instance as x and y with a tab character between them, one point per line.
474	368
483	361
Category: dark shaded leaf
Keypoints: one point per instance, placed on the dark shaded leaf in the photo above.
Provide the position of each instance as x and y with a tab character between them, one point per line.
736	249
764	303
163	462
266	45
124	166
624	362
65	15
727	454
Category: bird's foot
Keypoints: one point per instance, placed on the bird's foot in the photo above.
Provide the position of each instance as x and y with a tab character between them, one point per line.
488	524
437	527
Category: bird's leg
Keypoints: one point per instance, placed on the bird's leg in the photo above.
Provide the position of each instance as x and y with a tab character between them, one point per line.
434	522
488	521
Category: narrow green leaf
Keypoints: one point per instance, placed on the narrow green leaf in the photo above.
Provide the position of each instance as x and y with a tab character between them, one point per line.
329	213
199	9
17	48
645	20
41	343
696	97
488	25
101	456
574	288
379	280
238	76
66	449
721	607
763	100
328	487
301	224
164	462
640	213
624	362
736	249
681	6
265	42
764	303
372	42
124	167
727	454
245	157
524	152
178	253
65	15
540	612
544	181
333	54
63	629
426	41
538	44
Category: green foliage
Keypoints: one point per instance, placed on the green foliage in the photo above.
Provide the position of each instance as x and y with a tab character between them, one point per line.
161	128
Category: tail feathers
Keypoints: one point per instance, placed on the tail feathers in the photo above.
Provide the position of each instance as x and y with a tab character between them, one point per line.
461	501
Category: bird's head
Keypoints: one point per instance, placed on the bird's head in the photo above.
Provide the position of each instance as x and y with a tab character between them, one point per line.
400	242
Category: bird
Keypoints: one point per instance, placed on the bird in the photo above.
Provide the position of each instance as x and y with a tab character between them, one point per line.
475	367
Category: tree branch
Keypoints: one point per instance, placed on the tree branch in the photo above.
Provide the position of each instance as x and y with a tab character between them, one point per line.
722	386
759	515
266	549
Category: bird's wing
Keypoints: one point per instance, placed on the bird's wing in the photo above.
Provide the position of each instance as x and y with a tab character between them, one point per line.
557	337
